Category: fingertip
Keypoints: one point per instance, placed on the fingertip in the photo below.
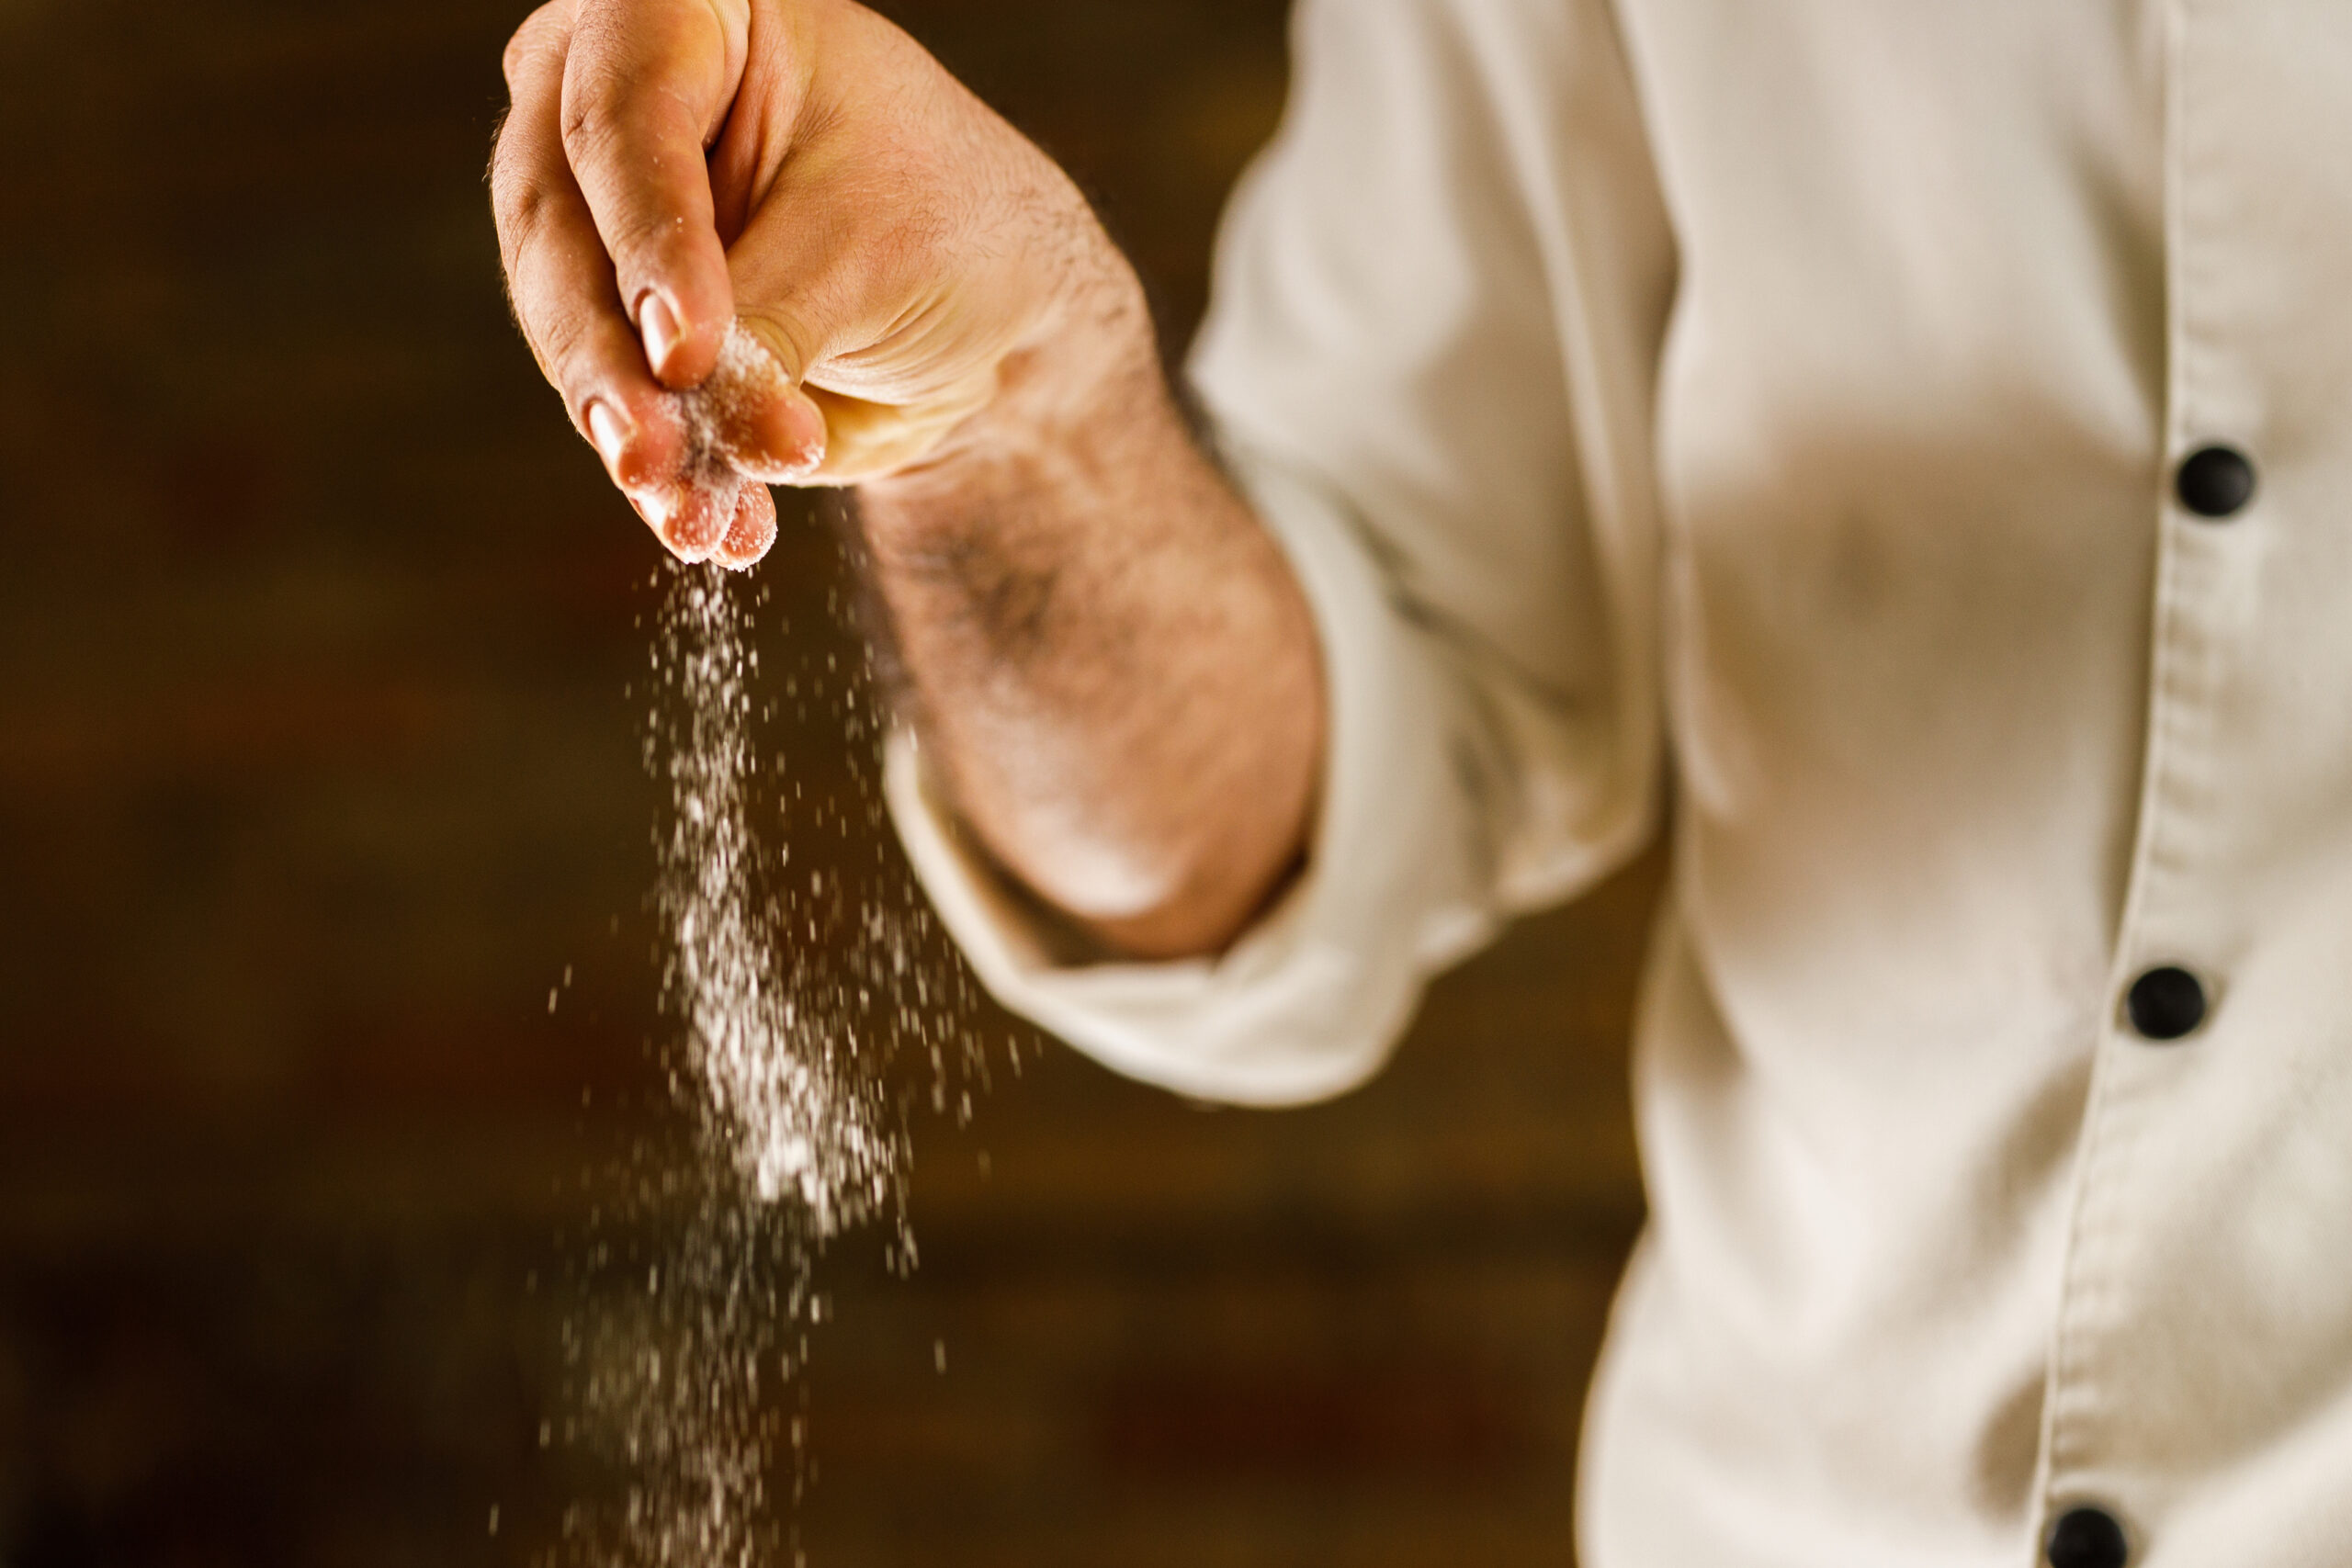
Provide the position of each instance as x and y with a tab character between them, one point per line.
657	505
638	432
693	518
781	438
751	533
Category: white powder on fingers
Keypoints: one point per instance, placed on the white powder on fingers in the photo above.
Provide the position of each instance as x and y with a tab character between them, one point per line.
720	464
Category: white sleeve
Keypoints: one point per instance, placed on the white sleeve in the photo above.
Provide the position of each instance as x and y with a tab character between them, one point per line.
1439	299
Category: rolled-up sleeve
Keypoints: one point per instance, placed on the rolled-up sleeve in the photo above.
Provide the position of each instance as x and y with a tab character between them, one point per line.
1440	300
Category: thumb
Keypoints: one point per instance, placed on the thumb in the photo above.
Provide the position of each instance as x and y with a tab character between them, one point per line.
785	429
752	415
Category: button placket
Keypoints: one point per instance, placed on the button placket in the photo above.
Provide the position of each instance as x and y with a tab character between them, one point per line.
2164	990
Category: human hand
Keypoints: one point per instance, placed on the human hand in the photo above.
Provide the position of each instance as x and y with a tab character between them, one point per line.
758	241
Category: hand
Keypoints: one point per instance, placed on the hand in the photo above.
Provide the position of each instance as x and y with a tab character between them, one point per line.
772	240
758	241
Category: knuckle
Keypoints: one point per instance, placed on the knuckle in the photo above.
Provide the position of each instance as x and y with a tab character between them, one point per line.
597	103
542	32
519	204
648	242
553	323
562	343
610	116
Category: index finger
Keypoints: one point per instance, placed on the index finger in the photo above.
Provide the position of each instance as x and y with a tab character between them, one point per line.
646	86
560	284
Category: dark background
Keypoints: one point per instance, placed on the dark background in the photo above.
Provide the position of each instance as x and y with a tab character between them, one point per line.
319	768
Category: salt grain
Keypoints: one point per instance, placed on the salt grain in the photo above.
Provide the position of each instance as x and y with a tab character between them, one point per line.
785	1102
788	995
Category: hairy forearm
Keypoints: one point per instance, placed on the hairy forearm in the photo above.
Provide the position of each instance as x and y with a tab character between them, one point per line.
1109	662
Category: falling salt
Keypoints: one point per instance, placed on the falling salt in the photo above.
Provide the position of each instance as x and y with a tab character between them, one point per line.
788	995
776	1065
786	1100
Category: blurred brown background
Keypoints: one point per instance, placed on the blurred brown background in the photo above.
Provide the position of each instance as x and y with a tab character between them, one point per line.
319	768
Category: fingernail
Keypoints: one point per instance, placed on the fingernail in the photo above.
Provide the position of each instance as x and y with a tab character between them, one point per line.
608	433
655	503
660	325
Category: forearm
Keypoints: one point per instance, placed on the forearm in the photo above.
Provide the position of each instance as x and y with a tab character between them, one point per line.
1109	663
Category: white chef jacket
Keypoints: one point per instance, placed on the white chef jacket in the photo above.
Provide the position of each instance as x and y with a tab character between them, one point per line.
1787	399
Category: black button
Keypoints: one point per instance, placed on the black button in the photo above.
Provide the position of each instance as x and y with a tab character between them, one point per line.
2166	1004
2087	1537
2215	481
